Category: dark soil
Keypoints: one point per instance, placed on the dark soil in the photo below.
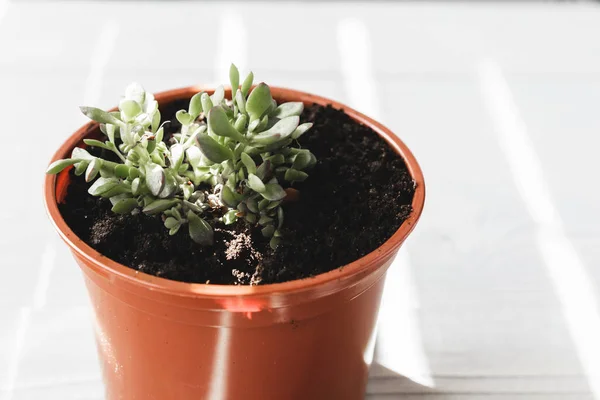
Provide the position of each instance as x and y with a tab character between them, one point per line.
355	198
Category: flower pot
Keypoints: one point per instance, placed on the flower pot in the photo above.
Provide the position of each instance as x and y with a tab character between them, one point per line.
305	339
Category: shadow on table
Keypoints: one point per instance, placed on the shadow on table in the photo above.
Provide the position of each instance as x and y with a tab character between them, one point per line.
386	384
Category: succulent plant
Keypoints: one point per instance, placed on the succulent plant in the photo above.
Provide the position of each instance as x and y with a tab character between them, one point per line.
228	161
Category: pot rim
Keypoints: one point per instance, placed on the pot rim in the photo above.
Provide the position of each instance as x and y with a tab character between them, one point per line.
363	265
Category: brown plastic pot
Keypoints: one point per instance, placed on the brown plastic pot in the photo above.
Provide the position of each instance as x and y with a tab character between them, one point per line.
306	339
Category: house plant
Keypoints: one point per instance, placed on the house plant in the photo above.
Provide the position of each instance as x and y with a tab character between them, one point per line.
162	338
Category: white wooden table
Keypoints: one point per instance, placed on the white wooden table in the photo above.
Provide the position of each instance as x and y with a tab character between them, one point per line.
496	294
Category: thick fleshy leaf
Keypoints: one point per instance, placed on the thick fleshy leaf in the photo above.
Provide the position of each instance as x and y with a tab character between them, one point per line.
213	150
218	95
188	190
136	186
129	109
170	185
240	101
207	103
122	171
256	184
184	118
281	130
273	192
218	123
80	167
268	231
171	223
253	125
259	101
276	159
252	205
264	203
230	217
275	242
200	231
240	123
228	197
97	143
293	175
99	115
301	129
263	170
234	78
194	156
251	218
247	84
302	160
279	217
265	220
59	165
248	163
288	110
159	205
81	154
196	105
102	185
124	206
176	155
135	92
92	170
155	178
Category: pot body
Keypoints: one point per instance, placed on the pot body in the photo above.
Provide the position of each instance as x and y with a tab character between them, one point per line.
312	348
308	339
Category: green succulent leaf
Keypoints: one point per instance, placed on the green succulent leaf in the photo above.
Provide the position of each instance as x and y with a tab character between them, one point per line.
124	206
195	105
159	205
207	103
275	242
268	231
234	78
218	95
240	101
184	118
256	184
302	160
259	101
129	109
263	170
288	110
155	178
92	170
229	217
177	153
228	197
171	223
219	124
279	218
102	185
248	163
273	192
200	231
293	175
213	150
80	167
59	165
81	154
281	130
100	116
97	143
301	129
247	84
252	205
